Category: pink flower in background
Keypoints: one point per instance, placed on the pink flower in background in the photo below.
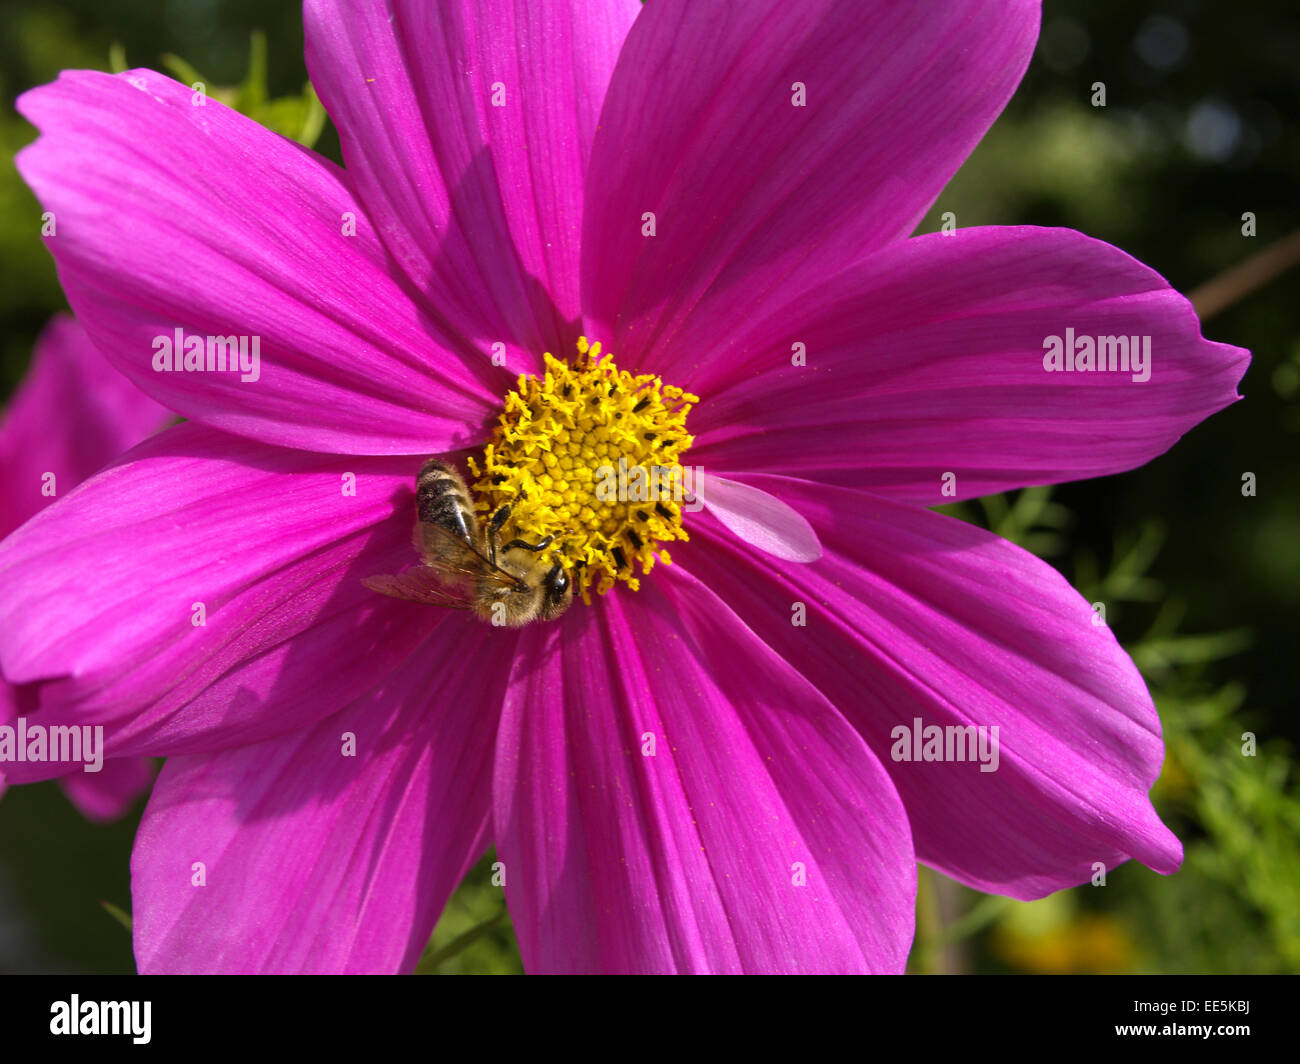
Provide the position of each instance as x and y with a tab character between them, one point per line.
71	416
502	159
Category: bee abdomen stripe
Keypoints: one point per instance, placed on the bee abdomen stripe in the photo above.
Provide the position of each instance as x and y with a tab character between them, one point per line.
446	512
440	488
441	498
433	465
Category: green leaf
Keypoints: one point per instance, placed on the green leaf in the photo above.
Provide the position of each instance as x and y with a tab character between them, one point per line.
182	71
432	958
252	92
300	117
120	915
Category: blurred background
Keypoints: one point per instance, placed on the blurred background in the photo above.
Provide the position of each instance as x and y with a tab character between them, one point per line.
1200	125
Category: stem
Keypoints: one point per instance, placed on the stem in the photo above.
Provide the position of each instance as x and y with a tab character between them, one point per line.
983	913
118	914
929	924
432	958
1221	292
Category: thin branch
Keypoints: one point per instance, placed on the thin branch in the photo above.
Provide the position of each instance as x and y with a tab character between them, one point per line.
1221	292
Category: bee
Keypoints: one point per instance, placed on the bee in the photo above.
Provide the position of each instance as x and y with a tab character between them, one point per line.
465	567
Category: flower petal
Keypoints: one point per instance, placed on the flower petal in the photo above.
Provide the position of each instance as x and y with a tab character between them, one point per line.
915	615
761	836
9	696
317	860
760	519
466	126
170	215
110	792
102	591
753	192
72	414
928	359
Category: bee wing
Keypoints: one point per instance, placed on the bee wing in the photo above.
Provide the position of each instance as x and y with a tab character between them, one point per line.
471	562
420	583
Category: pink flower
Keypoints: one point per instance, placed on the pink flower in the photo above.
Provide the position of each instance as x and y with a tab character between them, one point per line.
71	415
506	165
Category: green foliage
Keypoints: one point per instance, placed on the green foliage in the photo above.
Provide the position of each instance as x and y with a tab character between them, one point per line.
474	935
1235	904
299	117
29	288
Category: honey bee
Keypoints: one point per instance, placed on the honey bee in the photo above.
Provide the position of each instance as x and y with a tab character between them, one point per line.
464	567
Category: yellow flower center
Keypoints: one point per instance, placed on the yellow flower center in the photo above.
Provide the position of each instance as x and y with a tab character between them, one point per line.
589	454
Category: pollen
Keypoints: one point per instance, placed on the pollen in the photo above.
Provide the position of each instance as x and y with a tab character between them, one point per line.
590	454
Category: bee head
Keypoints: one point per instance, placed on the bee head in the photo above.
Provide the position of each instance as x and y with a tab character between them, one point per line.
557	593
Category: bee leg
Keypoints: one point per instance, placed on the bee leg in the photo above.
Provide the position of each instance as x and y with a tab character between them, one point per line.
499	518
541	544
